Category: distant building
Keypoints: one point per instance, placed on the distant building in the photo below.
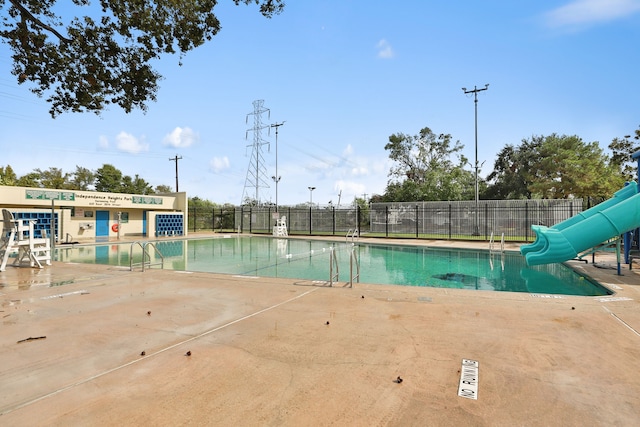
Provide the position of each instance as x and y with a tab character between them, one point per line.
73	215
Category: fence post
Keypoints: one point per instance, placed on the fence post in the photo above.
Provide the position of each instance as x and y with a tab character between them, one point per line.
195	218
213	219
310	220
449	221
526	221
358	218
486	222
250	219
333	220
386	221
416	221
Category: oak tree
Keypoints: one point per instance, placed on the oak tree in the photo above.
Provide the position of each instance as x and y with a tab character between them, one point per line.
102	51
427	167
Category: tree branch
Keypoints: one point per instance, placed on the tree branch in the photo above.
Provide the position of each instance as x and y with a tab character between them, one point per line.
26	14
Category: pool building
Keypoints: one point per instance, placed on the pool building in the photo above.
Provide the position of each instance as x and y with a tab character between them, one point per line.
74	215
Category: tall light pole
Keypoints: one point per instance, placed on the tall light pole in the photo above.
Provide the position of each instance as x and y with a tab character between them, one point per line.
475	91
276	177
311	196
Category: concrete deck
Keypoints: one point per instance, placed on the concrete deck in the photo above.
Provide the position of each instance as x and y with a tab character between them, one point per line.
268	352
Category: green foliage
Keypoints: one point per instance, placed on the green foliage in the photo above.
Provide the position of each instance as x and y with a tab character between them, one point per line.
136	185
567	166
163	189
53	178
621	151
363	206
7	176
555	167
108	179
31	179
424	168
103	55
82	179
512	171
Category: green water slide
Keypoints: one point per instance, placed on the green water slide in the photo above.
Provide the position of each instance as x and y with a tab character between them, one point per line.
567	239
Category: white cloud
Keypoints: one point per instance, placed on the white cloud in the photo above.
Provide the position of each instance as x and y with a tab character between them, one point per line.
584	12
348	150
218	164
181	137
103	142
349	189
385	51
130	144
359	170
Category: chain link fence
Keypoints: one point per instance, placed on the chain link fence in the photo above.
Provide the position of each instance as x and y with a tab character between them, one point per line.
461	220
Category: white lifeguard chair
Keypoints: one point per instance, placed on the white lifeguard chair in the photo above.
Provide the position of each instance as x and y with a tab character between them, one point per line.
18	236
280	229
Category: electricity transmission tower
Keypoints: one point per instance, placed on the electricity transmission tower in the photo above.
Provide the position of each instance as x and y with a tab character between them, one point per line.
256	172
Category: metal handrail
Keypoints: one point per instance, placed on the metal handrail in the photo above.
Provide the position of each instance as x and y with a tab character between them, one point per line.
354	233
146	256
333	263
353	259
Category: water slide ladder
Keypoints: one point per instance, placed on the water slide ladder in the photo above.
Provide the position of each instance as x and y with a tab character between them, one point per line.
354	266
146	255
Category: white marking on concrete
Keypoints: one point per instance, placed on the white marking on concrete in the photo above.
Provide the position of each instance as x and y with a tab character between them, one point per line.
246	277
468	387
621	321
612	299
184	272
547	296
66	294
210	331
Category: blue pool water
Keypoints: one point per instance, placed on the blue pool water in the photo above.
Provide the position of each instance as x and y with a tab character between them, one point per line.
379	264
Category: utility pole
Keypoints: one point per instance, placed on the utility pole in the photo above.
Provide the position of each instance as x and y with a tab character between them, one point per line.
175	159
475	91
276	177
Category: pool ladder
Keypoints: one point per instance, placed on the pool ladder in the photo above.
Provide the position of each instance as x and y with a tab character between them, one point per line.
146	256
501	244
354	234
334	270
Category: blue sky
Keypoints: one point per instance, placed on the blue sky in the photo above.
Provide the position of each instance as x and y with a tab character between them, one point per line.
344	75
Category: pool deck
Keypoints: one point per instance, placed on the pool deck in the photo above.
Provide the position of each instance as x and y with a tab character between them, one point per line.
271	352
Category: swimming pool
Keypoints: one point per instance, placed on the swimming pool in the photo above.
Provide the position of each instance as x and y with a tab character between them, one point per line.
379	264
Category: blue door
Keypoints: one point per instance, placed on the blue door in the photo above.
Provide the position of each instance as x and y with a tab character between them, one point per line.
102	223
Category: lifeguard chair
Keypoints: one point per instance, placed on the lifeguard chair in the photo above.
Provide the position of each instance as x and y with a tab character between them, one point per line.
18	236
280	229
